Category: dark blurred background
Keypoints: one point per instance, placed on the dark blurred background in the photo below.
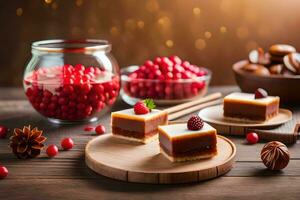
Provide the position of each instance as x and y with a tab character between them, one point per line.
214	33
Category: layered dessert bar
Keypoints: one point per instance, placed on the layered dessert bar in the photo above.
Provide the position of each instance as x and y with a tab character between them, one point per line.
140	127
253	107
178	143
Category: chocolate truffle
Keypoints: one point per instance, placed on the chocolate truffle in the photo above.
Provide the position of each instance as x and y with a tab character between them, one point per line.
292	62
276	69
256	69
281	50
278	51
275	155
258	56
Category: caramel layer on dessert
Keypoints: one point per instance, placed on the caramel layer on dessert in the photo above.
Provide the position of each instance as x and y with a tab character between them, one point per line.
137	126
189	144
259	112
133	134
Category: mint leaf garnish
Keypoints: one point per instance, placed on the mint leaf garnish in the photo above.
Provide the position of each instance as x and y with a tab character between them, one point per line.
149	104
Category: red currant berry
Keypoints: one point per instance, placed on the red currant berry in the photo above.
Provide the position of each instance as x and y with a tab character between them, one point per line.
252	138
100	129
3	131
67	143
52	150
3	172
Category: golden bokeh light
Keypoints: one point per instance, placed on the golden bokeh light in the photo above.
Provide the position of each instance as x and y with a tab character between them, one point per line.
242	32
19	12
141	24
207	34
169	43
48	1
164	21
200	44
196	11
223	29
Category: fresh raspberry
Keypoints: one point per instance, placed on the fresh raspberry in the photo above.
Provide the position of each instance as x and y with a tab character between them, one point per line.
140	108
195	123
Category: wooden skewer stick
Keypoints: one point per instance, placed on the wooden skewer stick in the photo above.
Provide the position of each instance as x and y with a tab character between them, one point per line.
183	106
193	109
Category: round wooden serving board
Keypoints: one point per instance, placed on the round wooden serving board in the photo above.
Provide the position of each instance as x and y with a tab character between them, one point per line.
127	161
214	114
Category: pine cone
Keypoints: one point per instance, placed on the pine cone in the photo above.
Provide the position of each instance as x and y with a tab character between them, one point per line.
27	143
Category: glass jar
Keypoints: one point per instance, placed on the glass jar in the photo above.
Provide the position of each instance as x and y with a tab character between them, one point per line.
72	80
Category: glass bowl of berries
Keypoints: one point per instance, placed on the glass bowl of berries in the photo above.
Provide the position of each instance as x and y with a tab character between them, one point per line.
166	80
71	81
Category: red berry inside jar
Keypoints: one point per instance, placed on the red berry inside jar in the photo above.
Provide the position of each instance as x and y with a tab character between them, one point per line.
71	92
165	78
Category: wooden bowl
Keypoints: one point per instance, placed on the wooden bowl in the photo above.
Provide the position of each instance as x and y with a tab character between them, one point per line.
286	87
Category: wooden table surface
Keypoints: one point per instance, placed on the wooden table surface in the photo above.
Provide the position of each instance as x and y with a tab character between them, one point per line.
67	177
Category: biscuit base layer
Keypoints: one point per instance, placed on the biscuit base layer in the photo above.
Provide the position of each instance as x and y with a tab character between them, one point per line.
132	139
187	158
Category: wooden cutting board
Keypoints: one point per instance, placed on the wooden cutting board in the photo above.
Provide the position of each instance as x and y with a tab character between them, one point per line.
131	162
286	132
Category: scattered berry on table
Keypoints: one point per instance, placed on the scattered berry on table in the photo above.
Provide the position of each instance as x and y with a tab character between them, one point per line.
3	131
67	143
3	172
52	150
252	138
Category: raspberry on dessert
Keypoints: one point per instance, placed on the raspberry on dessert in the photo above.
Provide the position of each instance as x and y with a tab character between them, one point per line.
143	107
195	123
140	108
260	93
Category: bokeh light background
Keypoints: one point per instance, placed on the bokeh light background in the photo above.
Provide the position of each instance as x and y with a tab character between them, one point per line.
211	33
